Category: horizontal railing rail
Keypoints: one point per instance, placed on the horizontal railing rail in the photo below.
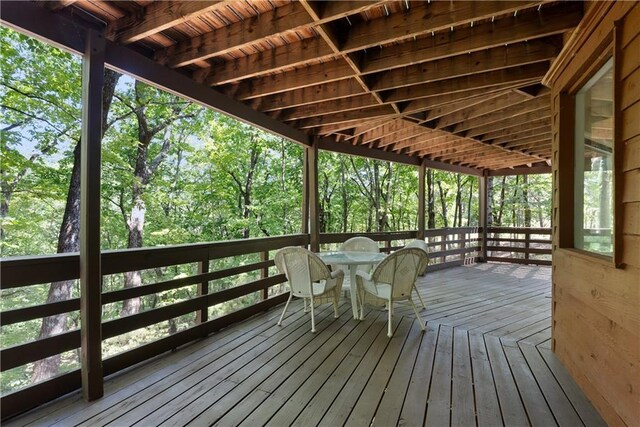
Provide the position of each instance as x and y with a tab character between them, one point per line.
519	245
19	272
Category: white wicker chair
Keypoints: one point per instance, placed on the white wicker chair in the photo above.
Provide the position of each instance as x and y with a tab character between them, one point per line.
357	244
309	278
391	281
420	244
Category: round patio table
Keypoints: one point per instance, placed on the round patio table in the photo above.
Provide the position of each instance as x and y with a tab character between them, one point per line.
352	260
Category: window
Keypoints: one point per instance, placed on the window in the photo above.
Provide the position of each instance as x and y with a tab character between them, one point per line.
593	174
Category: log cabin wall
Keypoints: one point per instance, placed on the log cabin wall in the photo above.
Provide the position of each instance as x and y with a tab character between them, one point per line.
596	306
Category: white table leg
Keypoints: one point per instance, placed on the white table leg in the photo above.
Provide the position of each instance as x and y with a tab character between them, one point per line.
353	291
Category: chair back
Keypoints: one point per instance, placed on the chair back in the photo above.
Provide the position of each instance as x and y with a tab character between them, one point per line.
421	244
400	270
360	244
302	268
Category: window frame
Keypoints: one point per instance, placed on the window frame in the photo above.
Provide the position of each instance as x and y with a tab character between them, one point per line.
606	51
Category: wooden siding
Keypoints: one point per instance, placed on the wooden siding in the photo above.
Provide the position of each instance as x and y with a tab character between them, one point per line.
484	358
596	307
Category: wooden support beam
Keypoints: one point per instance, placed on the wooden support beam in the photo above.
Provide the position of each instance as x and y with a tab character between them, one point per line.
504	99
464	105
537	169
324	73
510	131
234	36
424	19
421	200
90	257
526	26
508	112
523	142
347	116
314	205
403	138
355	102
530	133
541	113
309	95
279	58
477	81
496	58
157	17
432	102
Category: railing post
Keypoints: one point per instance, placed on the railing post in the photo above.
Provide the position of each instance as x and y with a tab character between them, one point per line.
202	315
90	256
527	238
264	273
461	245
443	245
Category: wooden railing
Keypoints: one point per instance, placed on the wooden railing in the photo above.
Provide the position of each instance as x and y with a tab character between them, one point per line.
448	247
519	245
25	271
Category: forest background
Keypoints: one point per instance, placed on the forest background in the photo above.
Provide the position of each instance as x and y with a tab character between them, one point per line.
174	172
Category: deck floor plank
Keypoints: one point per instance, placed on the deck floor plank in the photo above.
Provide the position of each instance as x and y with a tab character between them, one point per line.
483	360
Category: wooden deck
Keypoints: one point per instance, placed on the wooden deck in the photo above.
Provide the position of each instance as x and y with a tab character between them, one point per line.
484	359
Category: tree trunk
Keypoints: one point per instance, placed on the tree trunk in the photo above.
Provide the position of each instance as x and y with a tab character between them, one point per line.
502	190
525	200
489	201
469	202
443	203
431	211
68	242
143	171
514	217
345	198
376	187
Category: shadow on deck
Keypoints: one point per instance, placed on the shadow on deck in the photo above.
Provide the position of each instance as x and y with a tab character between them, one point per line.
484	359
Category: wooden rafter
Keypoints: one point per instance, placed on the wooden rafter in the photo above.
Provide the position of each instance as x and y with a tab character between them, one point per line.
456	81
159	16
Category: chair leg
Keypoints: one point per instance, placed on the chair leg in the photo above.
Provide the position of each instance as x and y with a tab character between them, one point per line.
313	319
424	307
390	328
336	300
415	310
285	308
306	309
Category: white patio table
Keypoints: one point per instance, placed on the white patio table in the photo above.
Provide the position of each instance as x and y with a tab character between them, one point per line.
352	260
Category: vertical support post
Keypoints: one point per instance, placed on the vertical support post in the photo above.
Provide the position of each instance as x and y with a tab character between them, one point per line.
422	169
90	257
304	226
443	244
482	214
314	209
461	238
527	238
264	273
202	315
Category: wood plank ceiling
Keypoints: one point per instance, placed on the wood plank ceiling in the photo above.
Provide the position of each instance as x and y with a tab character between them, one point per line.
450	81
